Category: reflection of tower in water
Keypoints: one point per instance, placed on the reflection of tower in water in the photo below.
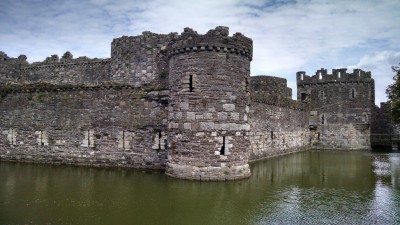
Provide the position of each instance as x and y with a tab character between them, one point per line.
394	160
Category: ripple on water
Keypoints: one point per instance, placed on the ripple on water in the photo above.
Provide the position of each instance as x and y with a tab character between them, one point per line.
321	206
381	166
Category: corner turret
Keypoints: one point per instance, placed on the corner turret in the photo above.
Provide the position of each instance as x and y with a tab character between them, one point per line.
209	105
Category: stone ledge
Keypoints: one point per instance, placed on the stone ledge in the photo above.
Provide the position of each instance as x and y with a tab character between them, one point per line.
208	173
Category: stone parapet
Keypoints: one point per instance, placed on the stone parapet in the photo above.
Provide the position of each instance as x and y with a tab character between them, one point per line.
215	40
338	76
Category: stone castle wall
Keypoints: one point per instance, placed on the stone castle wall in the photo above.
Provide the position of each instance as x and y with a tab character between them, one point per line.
90	72
94	126
340	106
284	131
75	111
278	124
181	102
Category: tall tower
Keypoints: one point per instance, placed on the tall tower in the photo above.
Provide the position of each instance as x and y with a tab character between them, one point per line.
209	105
340	107
139	60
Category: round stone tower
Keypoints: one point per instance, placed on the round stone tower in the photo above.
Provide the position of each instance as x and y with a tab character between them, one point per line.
209	105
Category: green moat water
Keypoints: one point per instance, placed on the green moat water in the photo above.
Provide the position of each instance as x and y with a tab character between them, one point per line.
317	187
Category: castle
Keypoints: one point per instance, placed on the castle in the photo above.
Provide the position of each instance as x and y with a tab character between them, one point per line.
183	103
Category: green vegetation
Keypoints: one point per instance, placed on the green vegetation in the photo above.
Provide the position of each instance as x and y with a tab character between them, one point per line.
393	93
41	96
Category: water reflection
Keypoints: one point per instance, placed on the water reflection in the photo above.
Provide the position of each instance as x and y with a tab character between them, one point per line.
386	169
303	188
350	170
395	170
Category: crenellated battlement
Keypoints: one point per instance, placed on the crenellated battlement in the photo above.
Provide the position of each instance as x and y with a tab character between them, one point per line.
55	70
4	58
147	40
51	61
338	76
217	39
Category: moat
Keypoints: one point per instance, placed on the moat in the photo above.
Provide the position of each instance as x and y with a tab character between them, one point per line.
312	187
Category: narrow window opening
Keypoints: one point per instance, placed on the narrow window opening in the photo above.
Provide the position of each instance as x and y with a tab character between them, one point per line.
302	76
222	151
359	73
303	96
247	85
88	137
353	93
159	139
190	83
319	135
123	139
272	135
320	75
41	138
338	74
12	137
322	119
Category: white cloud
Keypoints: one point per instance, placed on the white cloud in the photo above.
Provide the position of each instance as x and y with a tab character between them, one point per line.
380	64
288	35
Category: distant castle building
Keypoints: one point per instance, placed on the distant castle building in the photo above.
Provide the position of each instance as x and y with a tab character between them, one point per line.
340	106
184	103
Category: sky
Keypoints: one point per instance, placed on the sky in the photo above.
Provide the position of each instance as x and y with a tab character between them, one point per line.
288	35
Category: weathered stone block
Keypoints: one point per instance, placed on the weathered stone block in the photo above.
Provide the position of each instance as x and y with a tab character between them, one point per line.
184	105
187	126
191	116
228	107
200	134
222	116
235	116
208	126
208	116
199	117
233	126
178	115
224	126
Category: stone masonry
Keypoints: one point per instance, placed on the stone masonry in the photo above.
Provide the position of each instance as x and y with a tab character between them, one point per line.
184	103
340	106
